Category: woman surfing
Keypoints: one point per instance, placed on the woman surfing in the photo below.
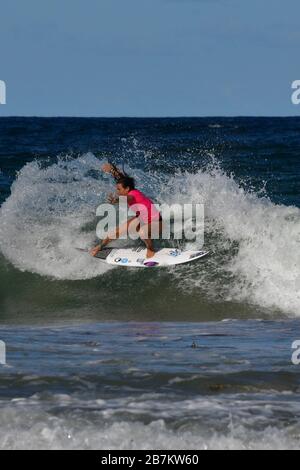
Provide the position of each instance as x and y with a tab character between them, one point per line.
146	222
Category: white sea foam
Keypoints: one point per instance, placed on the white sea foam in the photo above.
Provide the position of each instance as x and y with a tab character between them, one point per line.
199	424
42	220
264	237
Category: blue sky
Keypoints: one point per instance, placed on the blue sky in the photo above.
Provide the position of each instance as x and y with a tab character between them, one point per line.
149	57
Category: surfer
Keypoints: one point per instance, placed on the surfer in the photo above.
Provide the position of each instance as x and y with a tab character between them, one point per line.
149	218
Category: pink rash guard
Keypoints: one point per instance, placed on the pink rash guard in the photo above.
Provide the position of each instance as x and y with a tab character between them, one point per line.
144	207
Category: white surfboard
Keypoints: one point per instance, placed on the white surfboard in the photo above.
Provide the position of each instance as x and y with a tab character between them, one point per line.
136	257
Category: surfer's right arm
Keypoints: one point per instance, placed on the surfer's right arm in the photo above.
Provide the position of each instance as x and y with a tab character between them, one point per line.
113	170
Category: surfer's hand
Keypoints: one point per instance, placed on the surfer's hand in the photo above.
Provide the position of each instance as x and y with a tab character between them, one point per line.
107	168
113	170
95	251
112	199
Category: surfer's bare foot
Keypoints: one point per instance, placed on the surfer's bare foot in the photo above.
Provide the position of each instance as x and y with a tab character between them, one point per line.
150	253
95	251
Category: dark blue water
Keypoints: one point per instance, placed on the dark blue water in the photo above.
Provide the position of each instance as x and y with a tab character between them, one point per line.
259	151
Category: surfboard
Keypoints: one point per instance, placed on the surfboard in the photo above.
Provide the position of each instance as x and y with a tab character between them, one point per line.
136	257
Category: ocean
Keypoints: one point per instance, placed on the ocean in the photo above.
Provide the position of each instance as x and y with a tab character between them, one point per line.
193	357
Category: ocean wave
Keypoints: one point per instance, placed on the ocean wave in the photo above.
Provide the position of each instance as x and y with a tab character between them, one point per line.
255	243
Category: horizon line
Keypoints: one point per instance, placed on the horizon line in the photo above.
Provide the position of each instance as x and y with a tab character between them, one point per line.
154	117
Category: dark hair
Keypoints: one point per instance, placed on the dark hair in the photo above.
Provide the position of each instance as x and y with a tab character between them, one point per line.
126	182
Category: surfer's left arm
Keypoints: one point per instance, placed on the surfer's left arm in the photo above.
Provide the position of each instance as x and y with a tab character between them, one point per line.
112	198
